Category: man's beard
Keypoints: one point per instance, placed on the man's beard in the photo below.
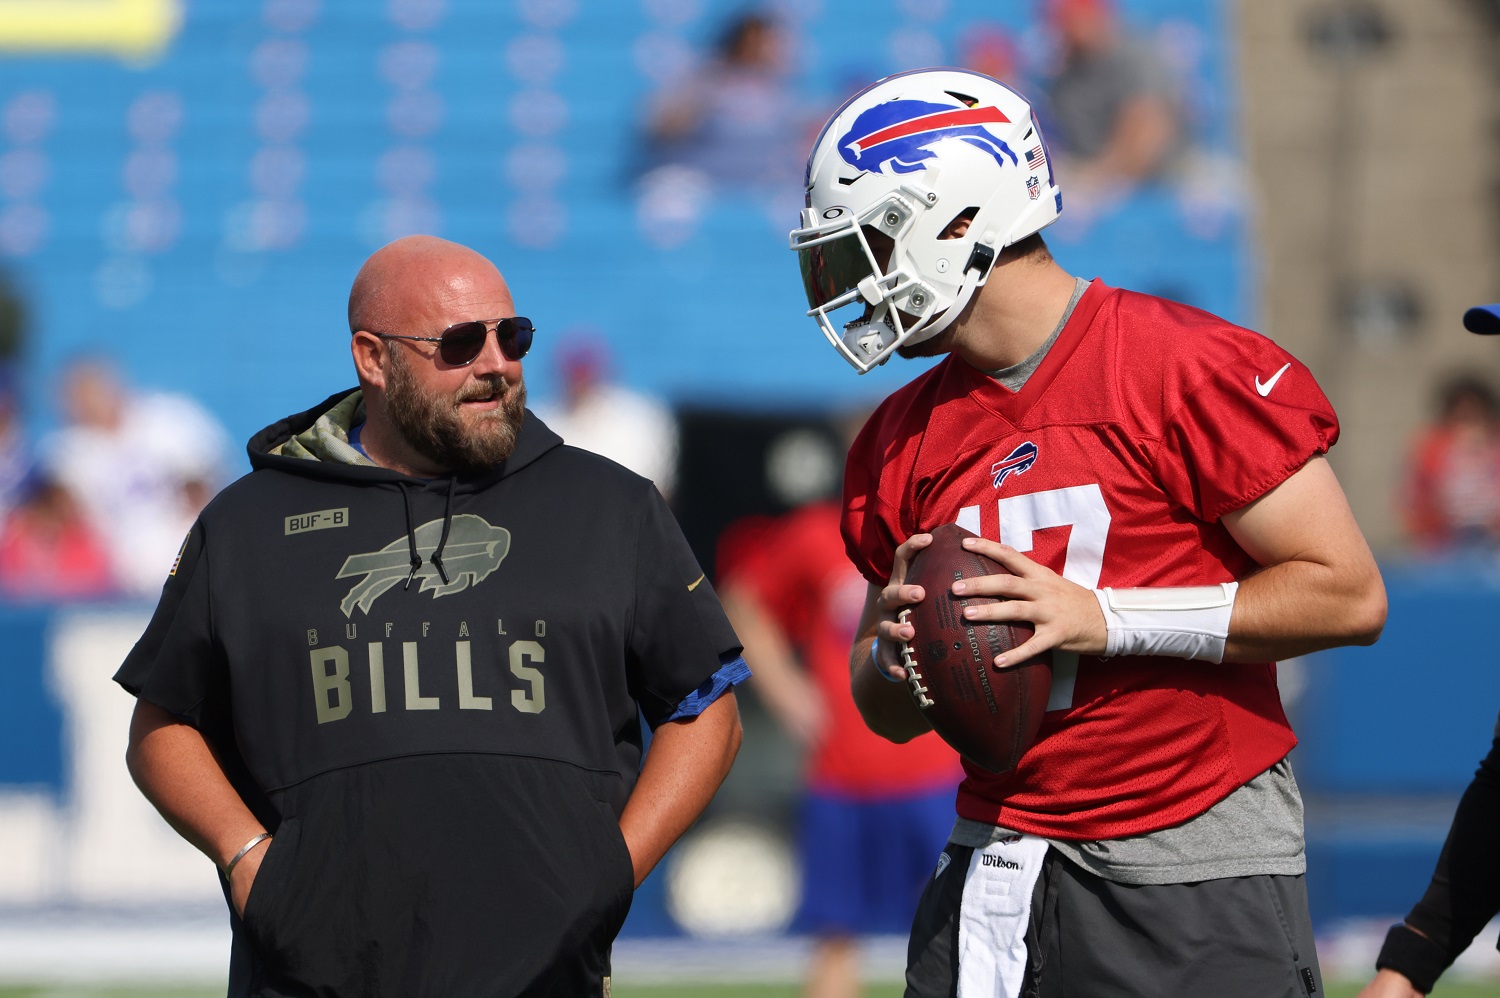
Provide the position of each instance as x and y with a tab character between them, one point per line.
432	423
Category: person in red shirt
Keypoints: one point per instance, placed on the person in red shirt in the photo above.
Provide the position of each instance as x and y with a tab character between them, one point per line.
873	812
1154	479
1452	491
48	551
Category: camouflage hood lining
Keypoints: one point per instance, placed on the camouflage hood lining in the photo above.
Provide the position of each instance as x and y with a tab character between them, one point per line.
327	439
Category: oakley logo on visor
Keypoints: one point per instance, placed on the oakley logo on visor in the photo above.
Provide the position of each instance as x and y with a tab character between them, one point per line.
899	133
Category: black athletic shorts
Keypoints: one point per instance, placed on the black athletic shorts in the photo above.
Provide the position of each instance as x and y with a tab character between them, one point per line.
1076	935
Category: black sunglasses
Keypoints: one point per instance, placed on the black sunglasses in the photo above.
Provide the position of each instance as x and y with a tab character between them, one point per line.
462	342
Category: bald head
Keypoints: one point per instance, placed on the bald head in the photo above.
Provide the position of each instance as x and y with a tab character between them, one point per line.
414	278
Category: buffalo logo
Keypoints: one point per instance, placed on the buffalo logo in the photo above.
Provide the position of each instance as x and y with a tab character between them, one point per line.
1017	462
901	132
474	550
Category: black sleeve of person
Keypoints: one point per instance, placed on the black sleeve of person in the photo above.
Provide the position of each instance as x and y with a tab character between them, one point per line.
1464	893
176	664
678	633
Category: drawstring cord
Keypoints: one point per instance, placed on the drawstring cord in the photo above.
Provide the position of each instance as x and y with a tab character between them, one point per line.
411	536
437	554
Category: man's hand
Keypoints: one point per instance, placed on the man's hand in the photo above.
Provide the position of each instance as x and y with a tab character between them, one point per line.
887	707
1389	984
892	599
1065	615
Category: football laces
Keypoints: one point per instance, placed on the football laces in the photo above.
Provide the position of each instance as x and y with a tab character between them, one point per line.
913	673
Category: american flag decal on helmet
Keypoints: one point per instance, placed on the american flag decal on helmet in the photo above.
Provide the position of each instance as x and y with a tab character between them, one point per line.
1017	462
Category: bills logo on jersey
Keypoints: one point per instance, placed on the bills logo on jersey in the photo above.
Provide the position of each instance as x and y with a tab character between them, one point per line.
899	134
1017	462
1033	187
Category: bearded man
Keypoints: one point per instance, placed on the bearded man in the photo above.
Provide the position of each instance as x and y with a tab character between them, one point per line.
393	685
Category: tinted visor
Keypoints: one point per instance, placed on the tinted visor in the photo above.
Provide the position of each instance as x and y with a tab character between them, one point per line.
834	268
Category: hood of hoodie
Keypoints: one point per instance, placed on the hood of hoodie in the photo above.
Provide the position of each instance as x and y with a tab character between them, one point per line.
315	444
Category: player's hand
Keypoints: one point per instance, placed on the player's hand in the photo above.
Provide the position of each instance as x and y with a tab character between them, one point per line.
1066	616
1389	984
243	876
893	598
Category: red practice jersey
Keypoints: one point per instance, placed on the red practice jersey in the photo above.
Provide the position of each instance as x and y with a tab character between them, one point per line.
1146	422
796	567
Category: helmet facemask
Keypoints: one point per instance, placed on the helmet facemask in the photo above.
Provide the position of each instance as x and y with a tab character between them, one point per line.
851	261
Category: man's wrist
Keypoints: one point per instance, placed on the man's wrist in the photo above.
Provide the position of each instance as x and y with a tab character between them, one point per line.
1413	956
244	851
1177	622
875	660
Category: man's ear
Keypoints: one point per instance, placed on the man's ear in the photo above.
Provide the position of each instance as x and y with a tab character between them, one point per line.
369	358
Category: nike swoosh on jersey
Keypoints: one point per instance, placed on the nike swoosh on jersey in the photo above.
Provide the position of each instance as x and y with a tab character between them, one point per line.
696	581
1265	389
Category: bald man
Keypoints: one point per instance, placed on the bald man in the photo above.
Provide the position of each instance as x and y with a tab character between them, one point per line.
394	683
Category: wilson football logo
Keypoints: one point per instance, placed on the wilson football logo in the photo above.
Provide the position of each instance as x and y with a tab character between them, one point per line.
474	550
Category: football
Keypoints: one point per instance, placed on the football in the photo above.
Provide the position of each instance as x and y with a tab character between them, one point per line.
989	715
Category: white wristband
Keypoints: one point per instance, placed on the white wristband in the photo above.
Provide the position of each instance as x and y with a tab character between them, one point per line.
1182	622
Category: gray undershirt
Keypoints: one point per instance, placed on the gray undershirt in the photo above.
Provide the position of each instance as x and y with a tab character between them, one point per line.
1257	829
1015	376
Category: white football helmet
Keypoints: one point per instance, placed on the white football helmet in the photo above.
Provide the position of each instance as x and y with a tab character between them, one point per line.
896	166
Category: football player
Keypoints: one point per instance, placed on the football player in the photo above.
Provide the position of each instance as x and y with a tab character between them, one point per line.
1155	480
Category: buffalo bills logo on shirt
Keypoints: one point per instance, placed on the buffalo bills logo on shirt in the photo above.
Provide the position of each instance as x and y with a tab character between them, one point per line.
900	132
1017	462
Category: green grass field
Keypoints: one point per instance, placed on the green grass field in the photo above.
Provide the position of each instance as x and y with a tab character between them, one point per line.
1457	989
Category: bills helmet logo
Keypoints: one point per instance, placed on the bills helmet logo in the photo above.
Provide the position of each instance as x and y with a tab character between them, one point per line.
1017	462
474	550
899	133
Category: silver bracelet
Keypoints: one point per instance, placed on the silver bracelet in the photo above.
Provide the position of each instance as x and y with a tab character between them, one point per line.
244	850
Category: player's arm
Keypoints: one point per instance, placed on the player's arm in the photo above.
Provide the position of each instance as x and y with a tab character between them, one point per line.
177	772
886	705
1319	586
687	761
782	685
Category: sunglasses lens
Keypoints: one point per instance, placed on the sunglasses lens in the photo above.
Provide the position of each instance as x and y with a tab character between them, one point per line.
460	344
514	335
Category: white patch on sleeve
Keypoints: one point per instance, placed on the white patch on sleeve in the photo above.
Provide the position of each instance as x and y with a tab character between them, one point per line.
994	916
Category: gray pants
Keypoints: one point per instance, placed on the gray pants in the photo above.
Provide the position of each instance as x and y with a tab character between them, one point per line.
1091	938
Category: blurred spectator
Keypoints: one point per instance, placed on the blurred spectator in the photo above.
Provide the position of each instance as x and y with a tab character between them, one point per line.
141	466
735	119
48	551
1452	493
989	49
734	123
15	458
1114	115
600	416
874	813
